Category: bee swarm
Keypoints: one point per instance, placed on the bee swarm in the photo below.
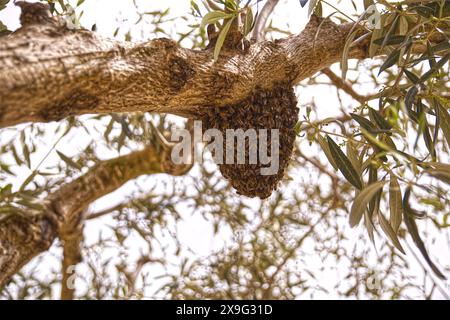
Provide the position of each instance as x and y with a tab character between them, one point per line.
264	109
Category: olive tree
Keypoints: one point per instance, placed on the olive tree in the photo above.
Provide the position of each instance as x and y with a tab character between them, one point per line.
382	162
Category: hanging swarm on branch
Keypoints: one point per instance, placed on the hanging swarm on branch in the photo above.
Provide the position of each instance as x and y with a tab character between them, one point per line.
264	109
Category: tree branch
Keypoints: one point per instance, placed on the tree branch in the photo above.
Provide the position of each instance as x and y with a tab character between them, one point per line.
64	72
24	237
344	86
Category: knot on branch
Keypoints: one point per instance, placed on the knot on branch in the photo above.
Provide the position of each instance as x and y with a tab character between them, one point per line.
35	13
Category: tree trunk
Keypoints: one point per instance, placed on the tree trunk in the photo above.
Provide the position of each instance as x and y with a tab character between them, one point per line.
63	72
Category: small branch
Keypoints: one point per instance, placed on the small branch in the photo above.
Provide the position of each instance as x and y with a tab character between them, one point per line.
344	86
259	29
22	237
71	241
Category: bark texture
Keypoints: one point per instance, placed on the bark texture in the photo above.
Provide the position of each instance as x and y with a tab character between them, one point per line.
49	72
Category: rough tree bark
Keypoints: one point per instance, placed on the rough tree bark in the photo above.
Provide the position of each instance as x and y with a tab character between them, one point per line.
49	71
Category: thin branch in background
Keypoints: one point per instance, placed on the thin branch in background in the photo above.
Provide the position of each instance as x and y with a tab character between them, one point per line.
344	86
260	24
71	240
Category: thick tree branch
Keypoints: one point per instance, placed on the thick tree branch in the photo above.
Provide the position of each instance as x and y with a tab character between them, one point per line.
63	72
23	237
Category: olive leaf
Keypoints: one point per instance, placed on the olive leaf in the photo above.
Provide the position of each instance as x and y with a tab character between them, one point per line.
411	226
369	227
248	23
379	120
391	41
411	76
444	121
442	175
361	201
376	33
410	97
221	39
312	5
389	231
352	155
395	203
3	4
68	161
213	17
439	166
326	150
344	164
345	52
390	60
363	122
435	68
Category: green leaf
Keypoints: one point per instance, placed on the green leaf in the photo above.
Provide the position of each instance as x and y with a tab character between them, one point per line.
194	6
429	143
28	180
361	201
395	203
435	68
391	30
378	144
312	5
441	46
379	120
376	33
374	204
352	155
68	161
326	150
213	17
363	122
411	96
408	216
221	39
345	52
444	176
344	164
248	24
369	226
411	76
444	121
390	61
387	229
